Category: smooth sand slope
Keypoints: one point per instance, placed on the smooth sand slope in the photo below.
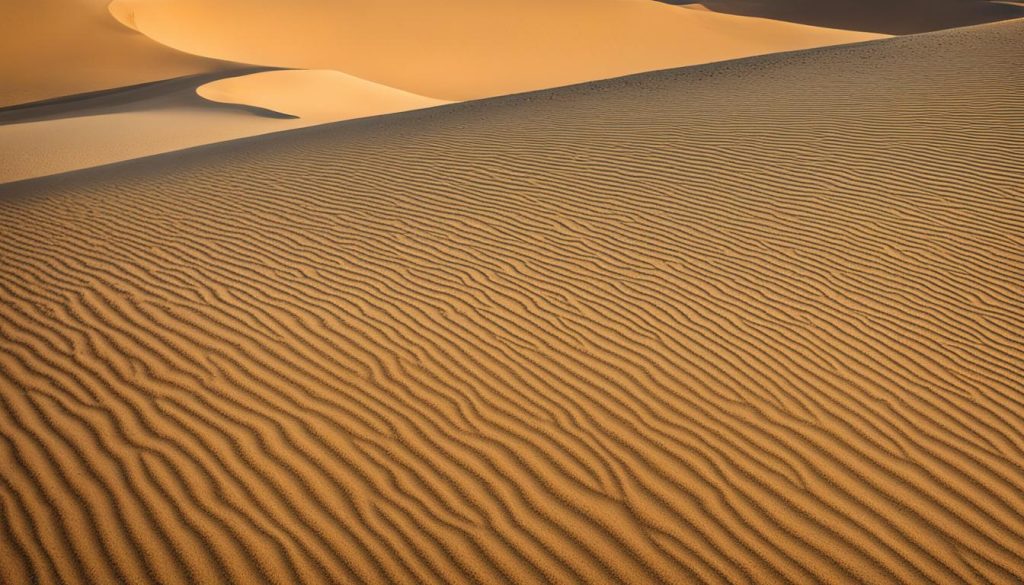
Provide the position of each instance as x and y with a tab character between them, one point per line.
898	17
55	48
752	322
465	49
108	127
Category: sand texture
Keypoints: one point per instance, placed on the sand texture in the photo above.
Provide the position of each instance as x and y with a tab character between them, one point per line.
757	321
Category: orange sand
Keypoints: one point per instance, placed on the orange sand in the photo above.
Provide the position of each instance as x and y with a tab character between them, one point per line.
753	322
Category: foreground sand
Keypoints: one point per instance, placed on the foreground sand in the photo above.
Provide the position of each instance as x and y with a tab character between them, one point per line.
754	321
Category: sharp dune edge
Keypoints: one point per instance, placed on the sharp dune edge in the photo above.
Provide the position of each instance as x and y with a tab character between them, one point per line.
754	321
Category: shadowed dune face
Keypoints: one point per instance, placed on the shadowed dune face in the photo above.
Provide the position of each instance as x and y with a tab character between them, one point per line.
897	17
53	48
464	49
758	321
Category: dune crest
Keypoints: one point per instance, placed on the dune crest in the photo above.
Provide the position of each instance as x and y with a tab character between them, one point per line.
464	49
321	96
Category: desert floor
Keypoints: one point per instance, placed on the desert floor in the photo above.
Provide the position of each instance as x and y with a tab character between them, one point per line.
753	321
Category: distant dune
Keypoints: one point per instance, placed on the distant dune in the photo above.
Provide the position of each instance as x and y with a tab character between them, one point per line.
466	49
758	321
55	48
886	16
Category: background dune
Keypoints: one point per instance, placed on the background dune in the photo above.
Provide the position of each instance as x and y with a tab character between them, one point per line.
465	49
757	321
55	48
130	123
886	16
456	49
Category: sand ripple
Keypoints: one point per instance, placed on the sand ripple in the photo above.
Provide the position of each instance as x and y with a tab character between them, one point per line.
756	321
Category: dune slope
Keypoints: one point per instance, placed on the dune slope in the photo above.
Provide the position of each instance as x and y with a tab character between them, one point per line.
466	49
754	321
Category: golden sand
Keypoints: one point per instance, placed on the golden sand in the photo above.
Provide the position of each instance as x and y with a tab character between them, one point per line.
757	321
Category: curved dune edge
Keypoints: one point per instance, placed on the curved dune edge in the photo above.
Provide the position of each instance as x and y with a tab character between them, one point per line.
752	322
123	13
466	49
323	96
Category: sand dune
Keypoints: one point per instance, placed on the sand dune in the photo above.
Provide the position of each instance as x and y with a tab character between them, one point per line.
885	16
464	49
54	48
130	123
757	321
123	124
